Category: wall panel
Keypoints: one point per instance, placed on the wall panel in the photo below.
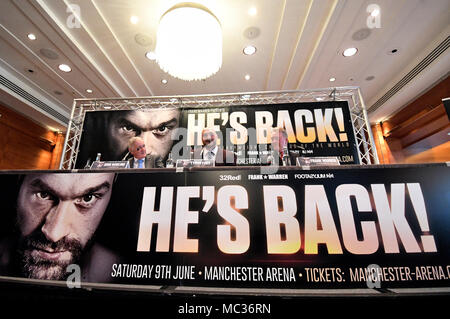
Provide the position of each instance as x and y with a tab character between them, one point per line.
26	145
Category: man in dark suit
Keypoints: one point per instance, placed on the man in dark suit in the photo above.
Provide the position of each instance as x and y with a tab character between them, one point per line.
141	159
211	151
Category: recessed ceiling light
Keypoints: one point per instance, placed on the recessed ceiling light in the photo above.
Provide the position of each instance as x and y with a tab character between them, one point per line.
107	107
320	99
249	50
332	79
349	52
164	81
134	19
247	77
89	91
64	68
252	11
151	55
31	36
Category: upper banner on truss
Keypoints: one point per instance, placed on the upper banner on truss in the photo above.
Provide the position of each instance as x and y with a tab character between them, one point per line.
323	122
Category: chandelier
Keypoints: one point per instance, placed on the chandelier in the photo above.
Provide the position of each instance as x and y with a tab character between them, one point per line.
189	42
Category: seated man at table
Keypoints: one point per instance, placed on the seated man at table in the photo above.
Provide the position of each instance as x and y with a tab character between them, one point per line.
211	151
280	151
141	159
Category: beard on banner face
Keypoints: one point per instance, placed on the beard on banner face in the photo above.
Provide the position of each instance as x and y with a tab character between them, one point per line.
40	258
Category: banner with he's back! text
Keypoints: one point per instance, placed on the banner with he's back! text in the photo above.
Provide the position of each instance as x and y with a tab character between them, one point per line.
342	228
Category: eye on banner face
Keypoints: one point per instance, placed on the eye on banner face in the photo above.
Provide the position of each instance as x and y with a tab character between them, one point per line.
234	228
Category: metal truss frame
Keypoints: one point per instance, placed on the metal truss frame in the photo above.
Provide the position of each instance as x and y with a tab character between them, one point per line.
361	127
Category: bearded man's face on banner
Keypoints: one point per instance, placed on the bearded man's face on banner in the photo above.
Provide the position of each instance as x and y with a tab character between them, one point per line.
57	215
155	127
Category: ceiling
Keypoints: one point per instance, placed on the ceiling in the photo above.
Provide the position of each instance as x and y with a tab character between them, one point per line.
299	46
